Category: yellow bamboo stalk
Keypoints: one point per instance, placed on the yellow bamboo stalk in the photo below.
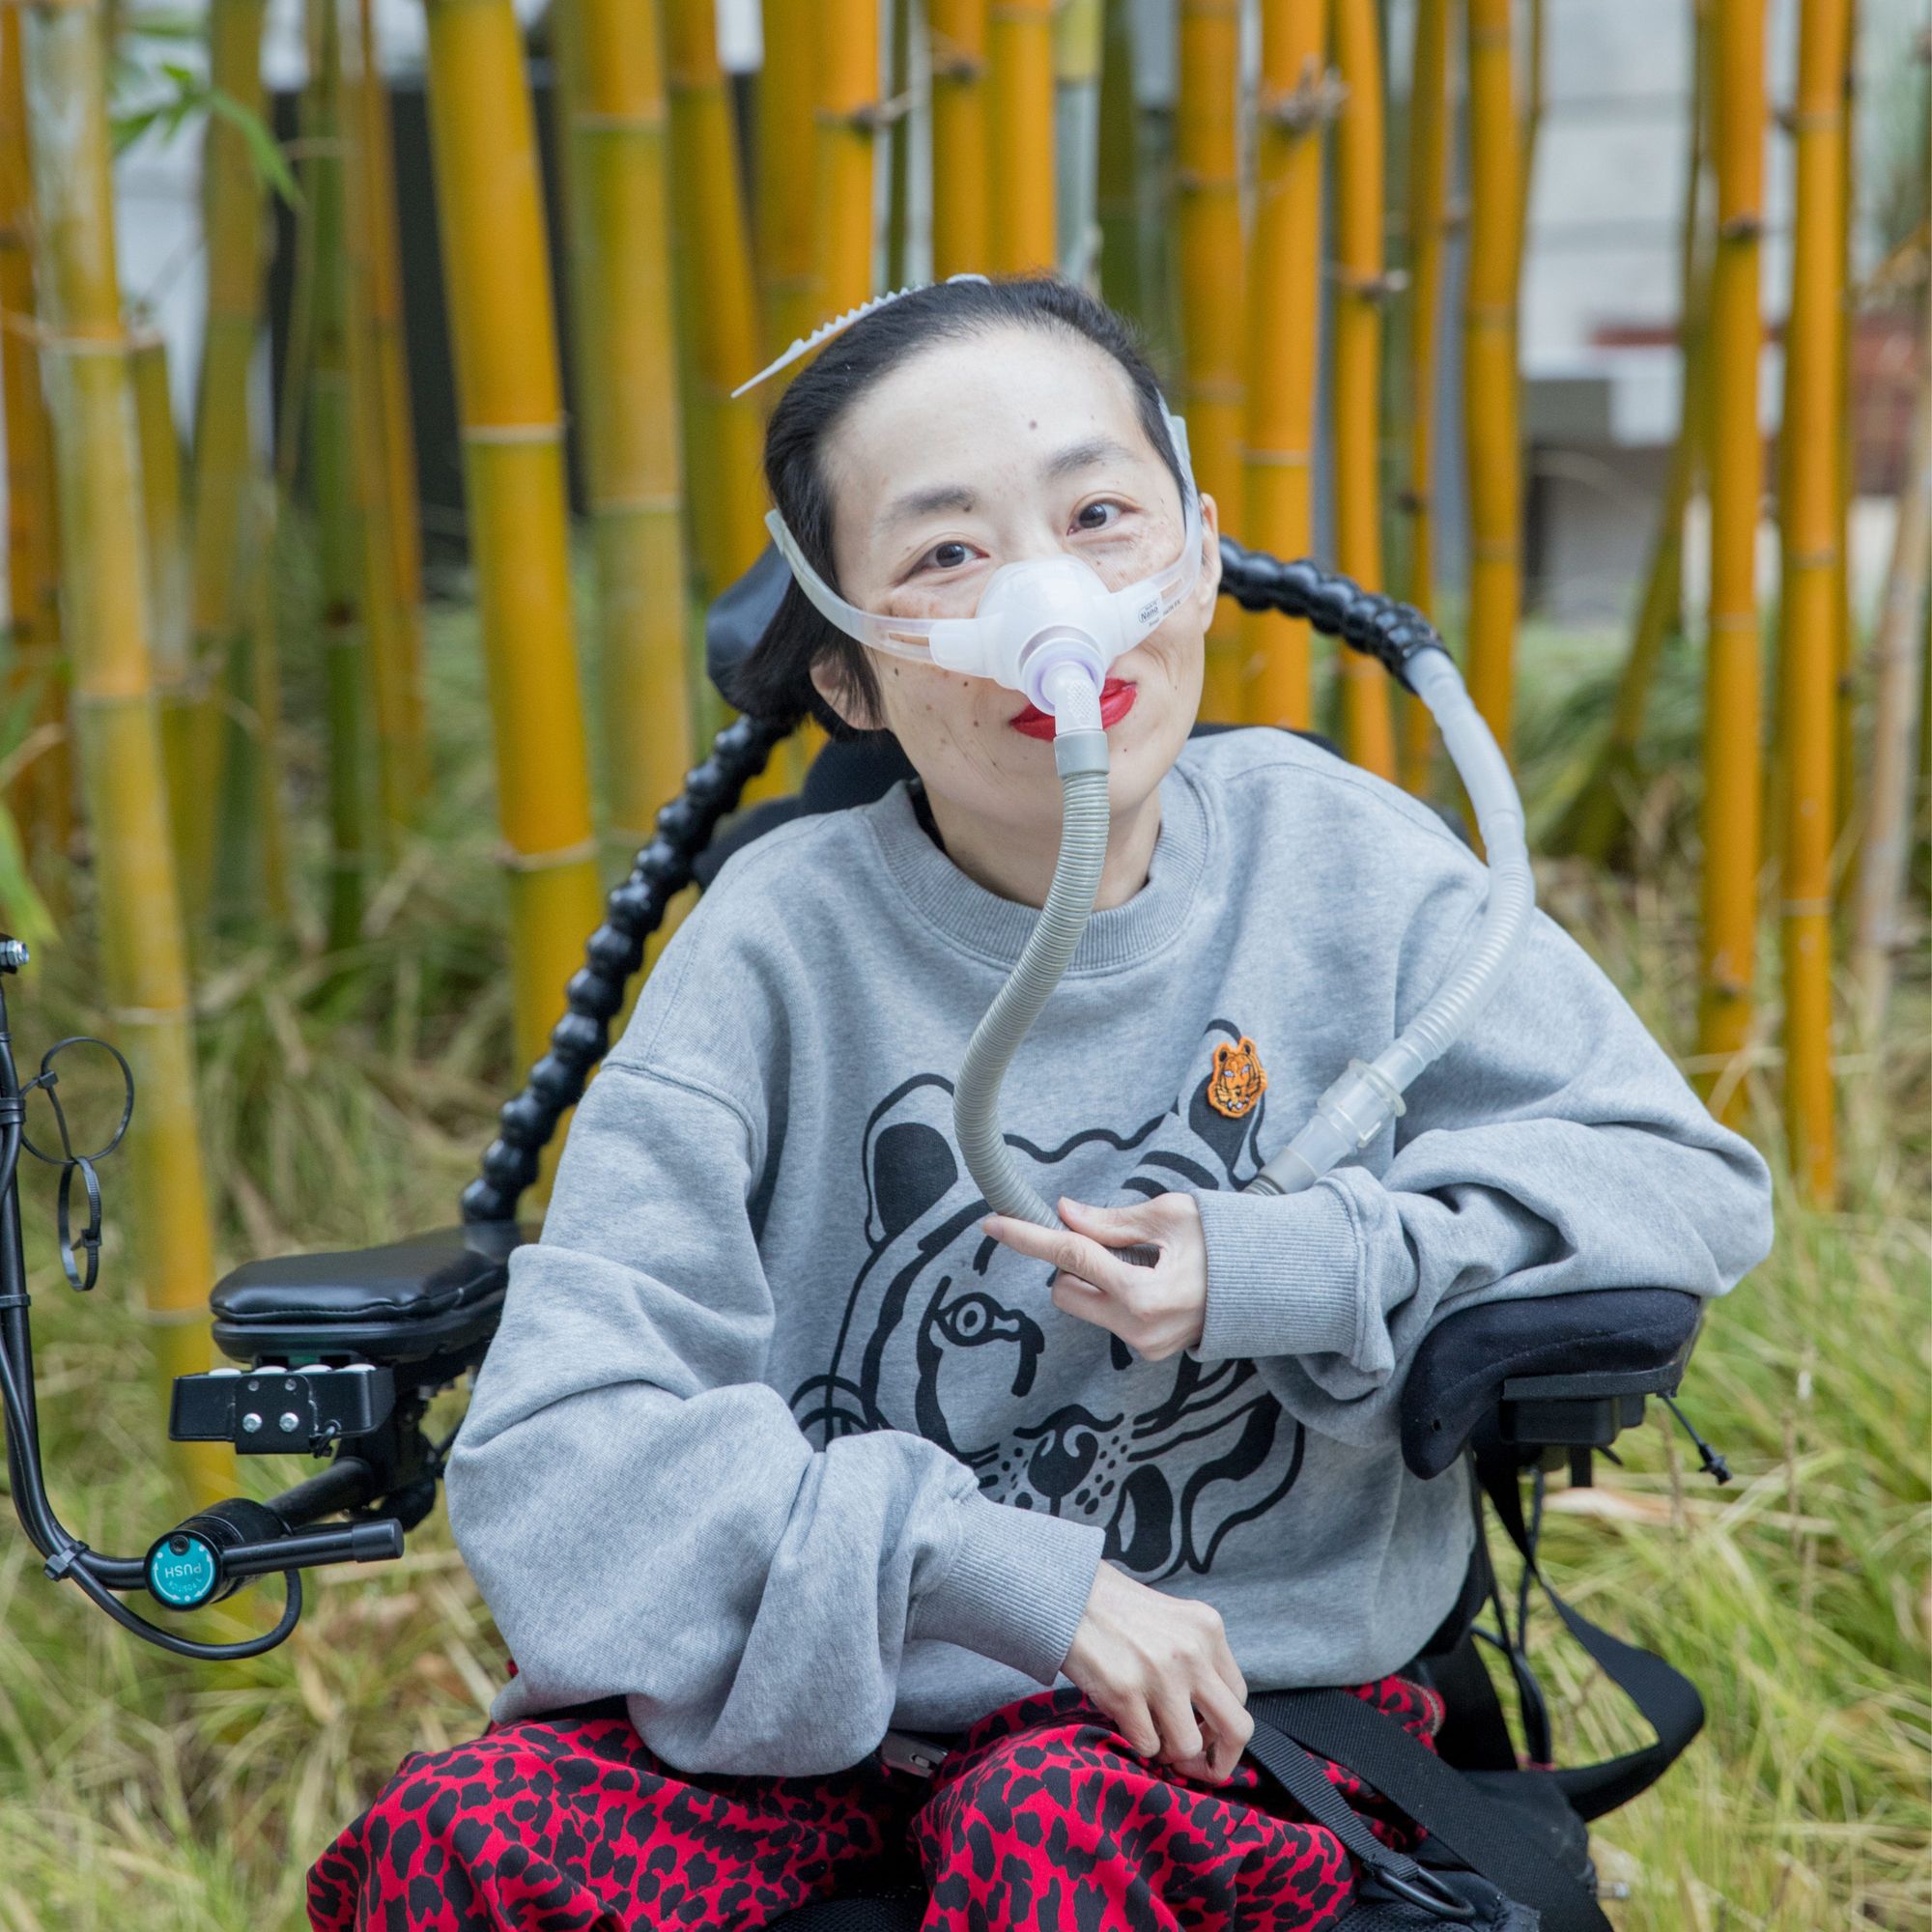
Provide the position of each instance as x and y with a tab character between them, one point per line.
896	122
1117	196
1207	224
1368	729
962	236
223	455
383	446
495	265
1019	48
845	66
719	340
1283	335
41	797
1532	128
164	531
1806	629
716	306
620	251
1076	138
1428	207
337	480
786	232
1489	369
1732	696
144	961
164	522
1844	641
1899	697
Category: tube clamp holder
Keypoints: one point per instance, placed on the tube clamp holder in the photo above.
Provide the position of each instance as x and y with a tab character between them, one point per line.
63	1560
1080	752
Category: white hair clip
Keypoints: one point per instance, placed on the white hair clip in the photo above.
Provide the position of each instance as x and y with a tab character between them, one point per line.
805	345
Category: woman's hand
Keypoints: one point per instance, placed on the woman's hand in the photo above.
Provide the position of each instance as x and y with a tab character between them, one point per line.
1155	1311
1160	1667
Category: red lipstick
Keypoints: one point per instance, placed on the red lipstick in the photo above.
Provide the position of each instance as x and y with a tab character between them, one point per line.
1117	700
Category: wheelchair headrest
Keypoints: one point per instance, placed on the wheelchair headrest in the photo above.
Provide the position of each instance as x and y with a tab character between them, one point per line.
740	617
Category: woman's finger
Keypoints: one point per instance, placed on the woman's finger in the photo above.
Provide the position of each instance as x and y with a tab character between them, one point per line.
1136	1725
1173	1712
1074	1254
1113	1227
1230	1671
1228	1719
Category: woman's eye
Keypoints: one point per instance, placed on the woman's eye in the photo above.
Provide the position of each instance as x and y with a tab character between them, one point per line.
1087	520
949	556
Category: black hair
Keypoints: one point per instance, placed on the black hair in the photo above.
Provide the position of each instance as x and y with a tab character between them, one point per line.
774	679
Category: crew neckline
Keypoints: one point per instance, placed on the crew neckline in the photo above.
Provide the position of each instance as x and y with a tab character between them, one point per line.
996	929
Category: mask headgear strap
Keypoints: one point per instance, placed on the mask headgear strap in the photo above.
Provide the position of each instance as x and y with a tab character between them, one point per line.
825	331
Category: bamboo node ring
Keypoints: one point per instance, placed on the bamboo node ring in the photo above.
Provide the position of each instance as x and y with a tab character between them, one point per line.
955	63
508	856
874	115
1308	104
512	433
1746	226
1382	288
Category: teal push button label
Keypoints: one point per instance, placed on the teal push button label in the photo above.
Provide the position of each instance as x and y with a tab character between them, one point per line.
182	1571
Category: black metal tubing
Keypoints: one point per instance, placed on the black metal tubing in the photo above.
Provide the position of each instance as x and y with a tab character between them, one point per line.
1377	626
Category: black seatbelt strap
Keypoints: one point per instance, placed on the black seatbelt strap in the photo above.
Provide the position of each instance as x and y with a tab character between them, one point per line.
1537	1734
1308	1784
1667	1699
1489	1837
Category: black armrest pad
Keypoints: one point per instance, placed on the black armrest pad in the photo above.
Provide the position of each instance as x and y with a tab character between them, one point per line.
1458	1370
404	1282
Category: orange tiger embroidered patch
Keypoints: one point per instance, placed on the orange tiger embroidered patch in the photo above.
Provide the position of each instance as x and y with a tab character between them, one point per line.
1237	1082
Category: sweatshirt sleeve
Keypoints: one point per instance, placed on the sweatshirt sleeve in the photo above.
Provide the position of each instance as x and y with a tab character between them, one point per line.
1553	1147
643	1514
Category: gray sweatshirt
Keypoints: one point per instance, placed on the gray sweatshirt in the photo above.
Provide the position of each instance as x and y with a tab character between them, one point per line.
773	1443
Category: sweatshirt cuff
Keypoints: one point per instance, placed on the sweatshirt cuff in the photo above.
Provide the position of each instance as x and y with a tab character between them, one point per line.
1017	1587
1284	1274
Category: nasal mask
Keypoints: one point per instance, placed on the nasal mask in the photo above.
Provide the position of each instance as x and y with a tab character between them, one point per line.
1035	621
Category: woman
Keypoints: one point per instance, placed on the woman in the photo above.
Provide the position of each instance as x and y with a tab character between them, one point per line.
784	1441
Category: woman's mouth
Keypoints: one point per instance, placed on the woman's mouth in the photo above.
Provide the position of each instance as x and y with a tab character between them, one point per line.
1117	700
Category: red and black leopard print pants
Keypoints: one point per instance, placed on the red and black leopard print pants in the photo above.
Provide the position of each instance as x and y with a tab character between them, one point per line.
1042	1817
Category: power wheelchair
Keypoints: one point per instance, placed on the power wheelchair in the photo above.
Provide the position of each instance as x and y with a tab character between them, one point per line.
340	1354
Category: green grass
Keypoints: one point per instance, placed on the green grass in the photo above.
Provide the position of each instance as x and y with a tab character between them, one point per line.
344	1101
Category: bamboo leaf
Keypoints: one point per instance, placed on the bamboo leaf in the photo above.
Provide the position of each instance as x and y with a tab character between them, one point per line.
22	907
264	150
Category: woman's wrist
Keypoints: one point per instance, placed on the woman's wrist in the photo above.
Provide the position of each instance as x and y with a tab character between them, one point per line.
1015	1586
1284	1274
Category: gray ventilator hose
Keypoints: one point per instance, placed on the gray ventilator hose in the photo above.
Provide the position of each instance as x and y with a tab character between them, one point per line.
1081	759
1367	1096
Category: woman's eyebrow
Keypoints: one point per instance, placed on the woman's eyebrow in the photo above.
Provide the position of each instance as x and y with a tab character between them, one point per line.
1082	456
925	503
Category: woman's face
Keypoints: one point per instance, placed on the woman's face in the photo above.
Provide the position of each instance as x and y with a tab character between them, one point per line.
1017	443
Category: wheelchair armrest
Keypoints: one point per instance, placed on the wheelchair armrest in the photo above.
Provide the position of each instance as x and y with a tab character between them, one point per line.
435	1299
1570	1370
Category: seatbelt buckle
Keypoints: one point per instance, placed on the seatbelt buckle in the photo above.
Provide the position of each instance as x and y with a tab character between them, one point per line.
908	1752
